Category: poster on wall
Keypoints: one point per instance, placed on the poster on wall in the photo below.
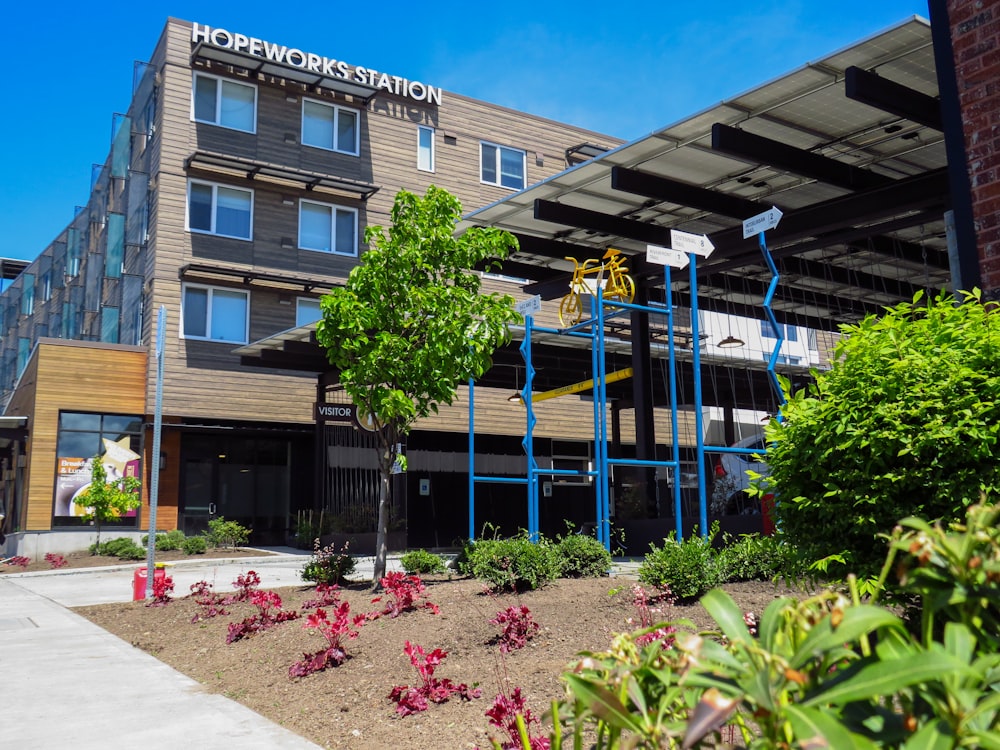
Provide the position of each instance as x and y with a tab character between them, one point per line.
73	475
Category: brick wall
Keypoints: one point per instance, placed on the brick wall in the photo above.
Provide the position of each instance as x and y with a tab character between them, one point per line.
975	34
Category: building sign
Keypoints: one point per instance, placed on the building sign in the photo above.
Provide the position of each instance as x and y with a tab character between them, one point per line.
335	413
325	66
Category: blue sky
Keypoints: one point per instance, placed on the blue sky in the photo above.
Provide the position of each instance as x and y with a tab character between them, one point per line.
624	69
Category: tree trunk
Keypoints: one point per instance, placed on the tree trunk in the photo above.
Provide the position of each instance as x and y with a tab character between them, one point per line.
384	498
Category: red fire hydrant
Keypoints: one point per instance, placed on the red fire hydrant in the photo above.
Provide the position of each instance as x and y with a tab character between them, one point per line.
139	581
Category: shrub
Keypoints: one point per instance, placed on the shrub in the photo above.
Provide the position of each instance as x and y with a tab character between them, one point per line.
335	631
121	547
517	627
515	564
194	545
753	557
904	423
401	594
688	568
328	565
167	541
582	556
223	533
410	700
462	562
422	562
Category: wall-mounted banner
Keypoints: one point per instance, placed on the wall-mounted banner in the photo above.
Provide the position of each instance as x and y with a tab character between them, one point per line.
324	66
73	475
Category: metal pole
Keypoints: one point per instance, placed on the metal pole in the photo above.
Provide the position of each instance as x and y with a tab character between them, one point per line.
698	418
672	374
154	469
472	459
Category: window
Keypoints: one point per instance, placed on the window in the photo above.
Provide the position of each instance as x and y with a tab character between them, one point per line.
215	314
23	354
223	102
116	438
45	285
109	325
783	359
28	294
425	148
502	166
328	228
307	311
788	332
329	127
217	209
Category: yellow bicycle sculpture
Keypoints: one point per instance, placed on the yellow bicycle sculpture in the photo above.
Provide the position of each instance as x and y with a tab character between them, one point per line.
611	275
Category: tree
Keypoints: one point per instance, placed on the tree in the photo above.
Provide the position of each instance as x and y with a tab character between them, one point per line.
411	324
905	423
105	500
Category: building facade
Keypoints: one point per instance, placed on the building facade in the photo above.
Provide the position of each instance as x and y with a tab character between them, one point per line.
237	190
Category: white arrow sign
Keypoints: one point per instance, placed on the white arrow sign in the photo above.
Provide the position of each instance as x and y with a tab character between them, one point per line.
685	242
529	306
761	222
666	256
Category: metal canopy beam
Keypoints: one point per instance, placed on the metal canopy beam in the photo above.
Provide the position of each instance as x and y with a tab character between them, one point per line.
757	149
895	98
666	190
614	226
789	295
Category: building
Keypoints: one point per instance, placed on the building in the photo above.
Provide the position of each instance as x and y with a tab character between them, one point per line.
236	192
237	189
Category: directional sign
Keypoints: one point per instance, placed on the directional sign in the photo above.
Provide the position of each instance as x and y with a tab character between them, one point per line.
666	256
761	222
686	242
530	305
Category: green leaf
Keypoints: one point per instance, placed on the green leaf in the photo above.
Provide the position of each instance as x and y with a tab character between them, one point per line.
936	735
727	614
857	621
888	677
604	704
816	728
770	622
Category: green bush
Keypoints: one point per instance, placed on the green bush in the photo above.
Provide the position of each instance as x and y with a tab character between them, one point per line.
753	557
462	562
903	424
122	547
223	533
515	564
422	562
167	541
582	556
328	565
688	568
194	545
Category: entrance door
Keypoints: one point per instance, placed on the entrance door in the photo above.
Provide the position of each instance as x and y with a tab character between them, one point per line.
248	480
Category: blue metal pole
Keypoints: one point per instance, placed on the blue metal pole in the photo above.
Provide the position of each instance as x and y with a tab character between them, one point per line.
672	373
472	459
602	390
778	330
698	419
594	358
528	442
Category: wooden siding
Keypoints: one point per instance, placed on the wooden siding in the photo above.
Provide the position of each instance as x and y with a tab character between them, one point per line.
75	376
205	379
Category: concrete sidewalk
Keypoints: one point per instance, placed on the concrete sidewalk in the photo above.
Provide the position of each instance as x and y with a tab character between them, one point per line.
68	683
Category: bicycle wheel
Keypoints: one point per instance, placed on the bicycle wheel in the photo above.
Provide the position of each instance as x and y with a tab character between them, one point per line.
624	289
570	310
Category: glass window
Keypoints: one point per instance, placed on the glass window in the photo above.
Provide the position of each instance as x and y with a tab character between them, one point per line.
46	286
502	166
330	127
27	293
307	311
23	353
788	332
217	209
215	314
328	228
117	439
109	325
425	149
220	101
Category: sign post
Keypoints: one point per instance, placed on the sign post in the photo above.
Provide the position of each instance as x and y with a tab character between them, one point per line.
154	462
